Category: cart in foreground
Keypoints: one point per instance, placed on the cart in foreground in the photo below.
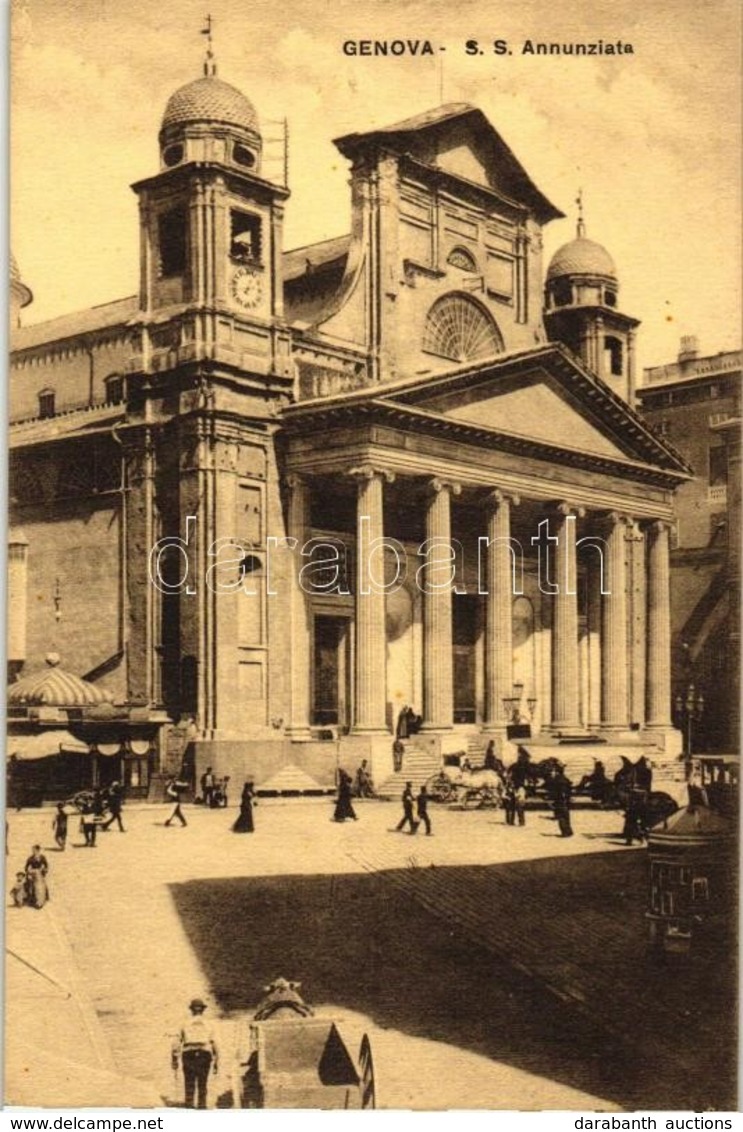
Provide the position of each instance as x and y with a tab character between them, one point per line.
291	1058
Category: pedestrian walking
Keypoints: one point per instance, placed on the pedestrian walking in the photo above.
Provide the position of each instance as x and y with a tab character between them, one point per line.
207	783
407	810
635	817
421	804
18	892
561	793
37	867
196	1051
173	790
115	804
519	801
88	823
244	823
59	826
343	806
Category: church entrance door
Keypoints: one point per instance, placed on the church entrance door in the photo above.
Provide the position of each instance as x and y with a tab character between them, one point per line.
331	672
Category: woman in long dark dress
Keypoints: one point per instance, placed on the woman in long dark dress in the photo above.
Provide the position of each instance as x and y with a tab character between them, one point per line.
244	823
343	807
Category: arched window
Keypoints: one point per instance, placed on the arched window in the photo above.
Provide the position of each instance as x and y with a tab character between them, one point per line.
461	258
458	328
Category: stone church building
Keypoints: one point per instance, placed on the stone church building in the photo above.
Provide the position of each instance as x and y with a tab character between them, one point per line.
285	494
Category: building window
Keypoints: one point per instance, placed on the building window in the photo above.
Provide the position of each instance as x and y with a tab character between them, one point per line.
114	384
563	293
459	329
173	155
718	466
46	403
241	155
613	357
245	237
172	239
610	298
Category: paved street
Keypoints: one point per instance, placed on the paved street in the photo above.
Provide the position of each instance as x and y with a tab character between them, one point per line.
493	967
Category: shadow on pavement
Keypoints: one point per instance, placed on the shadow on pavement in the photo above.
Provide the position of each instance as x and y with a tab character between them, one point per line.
368	941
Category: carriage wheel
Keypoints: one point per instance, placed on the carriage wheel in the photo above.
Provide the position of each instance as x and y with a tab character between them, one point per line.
444	791
472	800
366	1064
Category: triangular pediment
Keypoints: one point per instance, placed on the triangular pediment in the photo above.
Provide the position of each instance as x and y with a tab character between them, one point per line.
546	397
533	406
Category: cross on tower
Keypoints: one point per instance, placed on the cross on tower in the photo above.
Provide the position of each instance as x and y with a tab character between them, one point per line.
210	67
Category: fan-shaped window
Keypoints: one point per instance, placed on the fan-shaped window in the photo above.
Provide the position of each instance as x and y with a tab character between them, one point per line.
461	258
458	328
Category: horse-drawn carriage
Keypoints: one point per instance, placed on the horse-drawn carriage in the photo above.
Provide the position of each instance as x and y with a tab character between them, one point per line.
469	787
289	1057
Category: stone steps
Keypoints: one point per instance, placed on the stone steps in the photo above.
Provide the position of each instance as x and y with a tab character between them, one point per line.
418	765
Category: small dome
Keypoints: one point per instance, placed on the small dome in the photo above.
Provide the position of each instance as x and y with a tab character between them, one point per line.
22	293
581	257
209	99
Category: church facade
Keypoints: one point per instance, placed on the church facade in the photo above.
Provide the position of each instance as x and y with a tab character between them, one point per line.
288	494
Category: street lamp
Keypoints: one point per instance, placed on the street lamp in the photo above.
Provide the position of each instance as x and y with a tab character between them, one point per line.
689	710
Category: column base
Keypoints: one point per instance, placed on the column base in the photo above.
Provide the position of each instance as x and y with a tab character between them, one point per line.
436	727
298	734
371	731
566	729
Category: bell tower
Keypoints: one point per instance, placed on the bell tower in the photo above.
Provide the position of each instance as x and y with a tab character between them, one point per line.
211	236
581	295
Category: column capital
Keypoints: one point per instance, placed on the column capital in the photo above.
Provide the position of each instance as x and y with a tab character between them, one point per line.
496	497
370	472
293	480
438	485
657	526
617	519
565	508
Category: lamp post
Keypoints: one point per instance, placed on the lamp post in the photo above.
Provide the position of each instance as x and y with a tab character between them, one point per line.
689	710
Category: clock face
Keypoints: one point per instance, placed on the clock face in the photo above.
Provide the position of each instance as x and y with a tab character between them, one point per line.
247	288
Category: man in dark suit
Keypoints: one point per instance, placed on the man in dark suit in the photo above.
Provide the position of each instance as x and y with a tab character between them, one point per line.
407	810
422	808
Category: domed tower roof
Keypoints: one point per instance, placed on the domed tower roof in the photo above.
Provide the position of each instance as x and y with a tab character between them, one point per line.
581	256
18	287
210	99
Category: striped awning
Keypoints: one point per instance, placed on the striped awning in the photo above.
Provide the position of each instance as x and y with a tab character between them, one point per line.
56	687
44	745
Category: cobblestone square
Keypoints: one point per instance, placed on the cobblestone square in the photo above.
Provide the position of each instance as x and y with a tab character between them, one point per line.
492	966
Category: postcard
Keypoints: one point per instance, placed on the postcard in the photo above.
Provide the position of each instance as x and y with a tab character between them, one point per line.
374	557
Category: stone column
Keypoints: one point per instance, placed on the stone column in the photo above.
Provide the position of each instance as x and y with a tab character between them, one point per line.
565	689
593	628
614	658
370	709
638	623
499	611
438	666
300	641
659	627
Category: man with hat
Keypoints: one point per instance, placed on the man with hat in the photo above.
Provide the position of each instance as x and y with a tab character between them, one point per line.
197	1051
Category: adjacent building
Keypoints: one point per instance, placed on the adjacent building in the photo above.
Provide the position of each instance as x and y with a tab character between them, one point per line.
695	403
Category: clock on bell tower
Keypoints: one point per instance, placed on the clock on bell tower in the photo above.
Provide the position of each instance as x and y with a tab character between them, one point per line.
211	232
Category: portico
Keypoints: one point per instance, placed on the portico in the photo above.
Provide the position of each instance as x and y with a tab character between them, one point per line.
492	579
